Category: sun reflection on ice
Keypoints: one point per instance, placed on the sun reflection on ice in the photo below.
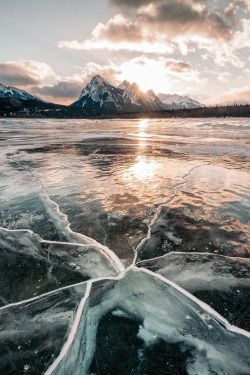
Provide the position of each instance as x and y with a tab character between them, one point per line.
143	169
143	124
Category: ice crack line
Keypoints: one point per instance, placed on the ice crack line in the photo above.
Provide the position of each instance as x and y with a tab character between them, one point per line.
121	271
80	309
159	207
72	332
247	260
111	256
115	261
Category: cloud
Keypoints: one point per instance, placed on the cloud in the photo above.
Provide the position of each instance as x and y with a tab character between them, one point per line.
131	3
41	80
61	89
24	72
141	3
160	74
184	17
244	4
68	89
119	29
165	27
224	76
177	66
120	33
110	73
175	18
235	95
231	52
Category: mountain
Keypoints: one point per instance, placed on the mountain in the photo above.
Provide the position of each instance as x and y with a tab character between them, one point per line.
13	92
100	94
100	97
179	102
135	99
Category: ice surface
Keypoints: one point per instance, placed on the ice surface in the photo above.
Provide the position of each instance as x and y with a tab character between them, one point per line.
197	271
117	232
222	282
33	332
167	312
40	265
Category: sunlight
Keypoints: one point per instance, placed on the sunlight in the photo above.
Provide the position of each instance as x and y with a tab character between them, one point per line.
143	123
148	74
143	169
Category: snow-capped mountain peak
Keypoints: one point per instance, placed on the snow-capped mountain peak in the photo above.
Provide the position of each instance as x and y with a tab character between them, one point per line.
131	93
141	101
174	101
13	92
152	96
99	93
124	85
96	84
98	80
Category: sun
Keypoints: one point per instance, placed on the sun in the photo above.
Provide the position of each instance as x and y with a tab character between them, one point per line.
147	73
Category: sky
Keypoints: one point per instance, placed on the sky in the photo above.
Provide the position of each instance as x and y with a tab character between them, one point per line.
199	48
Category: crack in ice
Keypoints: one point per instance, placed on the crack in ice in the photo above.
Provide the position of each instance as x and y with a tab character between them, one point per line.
79	313
104	249
160	206
117	264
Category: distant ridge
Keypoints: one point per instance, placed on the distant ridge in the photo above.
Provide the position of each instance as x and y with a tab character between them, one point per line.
100	95
174	101
15	93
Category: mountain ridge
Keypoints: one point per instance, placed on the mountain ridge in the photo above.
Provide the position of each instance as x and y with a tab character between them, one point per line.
14	92
176	101
99	93
127	97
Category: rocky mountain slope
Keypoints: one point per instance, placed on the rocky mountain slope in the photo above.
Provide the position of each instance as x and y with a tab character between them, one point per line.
13	92
179	102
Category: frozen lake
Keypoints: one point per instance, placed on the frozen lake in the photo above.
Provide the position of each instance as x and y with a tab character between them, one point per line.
124	239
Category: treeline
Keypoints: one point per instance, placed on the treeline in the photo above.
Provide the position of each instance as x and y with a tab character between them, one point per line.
32	108
12	107
235	110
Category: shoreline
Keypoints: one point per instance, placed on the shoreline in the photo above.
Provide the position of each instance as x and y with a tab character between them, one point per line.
117	117
24	109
